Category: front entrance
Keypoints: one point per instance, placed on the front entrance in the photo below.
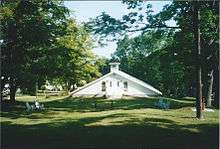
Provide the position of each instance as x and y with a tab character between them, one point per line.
114	90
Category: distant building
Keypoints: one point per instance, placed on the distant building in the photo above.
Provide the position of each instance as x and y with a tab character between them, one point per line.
116	84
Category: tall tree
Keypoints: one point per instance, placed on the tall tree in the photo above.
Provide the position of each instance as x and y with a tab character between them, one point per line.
76	60
47	46
155	62
182	13
28	29
196	23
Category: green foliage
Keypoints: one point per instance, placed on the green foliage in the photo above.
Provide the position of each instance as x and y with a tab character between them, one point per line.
103	65
28	30
40	43
161	65
75	61
185	41
153	62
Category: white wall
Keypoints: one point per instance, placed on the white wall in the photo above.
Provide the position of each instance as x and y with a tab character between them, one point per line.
134	89
93	89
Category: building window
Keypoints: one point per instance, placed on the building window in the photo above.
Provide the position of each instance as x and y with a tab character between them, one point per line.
125	86
110	83
118	83
103	86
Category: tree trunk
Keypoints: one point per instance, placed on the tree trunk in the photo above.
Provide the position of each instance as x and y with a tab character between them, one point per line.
216	99
216	87
196	23
12	93
13	89
209	88
1	97
2	88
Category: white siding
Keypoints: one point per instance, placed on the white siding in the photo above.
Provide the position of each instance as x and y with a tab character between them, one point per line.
92	89
134	89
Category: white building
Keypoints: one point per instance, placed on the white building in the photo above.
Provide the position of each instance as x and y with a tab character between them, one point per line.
116	84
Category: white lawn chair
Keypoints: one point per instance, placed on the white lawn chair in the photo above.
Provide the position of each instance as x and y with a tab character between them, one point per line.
41	106
38	106
159	103
163	105
168	105
28	107
33	107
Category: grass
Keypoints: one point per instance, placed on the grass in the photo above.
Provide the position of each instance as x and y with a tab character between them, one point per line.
129	123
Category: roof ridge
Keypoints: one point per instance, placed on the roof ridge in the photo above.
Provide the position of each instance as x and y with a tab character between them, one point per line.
90	83
140	81
123	74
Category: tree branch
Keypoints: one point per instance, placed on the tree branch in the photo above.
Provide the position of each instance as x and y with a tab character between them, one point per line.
147	27
212	39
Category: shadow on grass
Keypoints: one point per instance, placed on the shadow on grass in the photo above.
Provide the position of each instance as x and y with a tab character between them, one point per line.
112	130
129	133
79	104
70	104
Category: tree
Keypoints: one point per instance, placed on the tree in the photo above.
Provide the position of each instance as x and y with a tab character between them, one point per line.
103	65
196	24
74	57
182	13
28	29
154	62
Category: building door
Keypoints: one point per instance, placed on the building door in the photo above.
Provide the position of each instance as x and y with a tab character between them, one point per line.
115	88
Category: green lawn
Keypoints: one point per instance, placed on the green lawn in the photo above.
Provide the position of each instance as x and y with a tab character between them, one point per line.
129	123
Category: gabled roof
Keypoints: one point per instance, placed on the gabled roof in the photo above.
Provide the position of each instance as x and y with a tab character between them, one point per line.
80	88
142	83
122	74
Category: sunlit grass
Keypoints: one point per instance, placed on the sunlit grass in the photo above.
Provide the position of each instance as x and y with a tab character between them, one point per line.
125	120
27	98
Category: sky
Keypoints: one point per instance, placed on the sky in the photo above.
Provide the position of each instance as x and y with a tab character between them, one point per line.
83	10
